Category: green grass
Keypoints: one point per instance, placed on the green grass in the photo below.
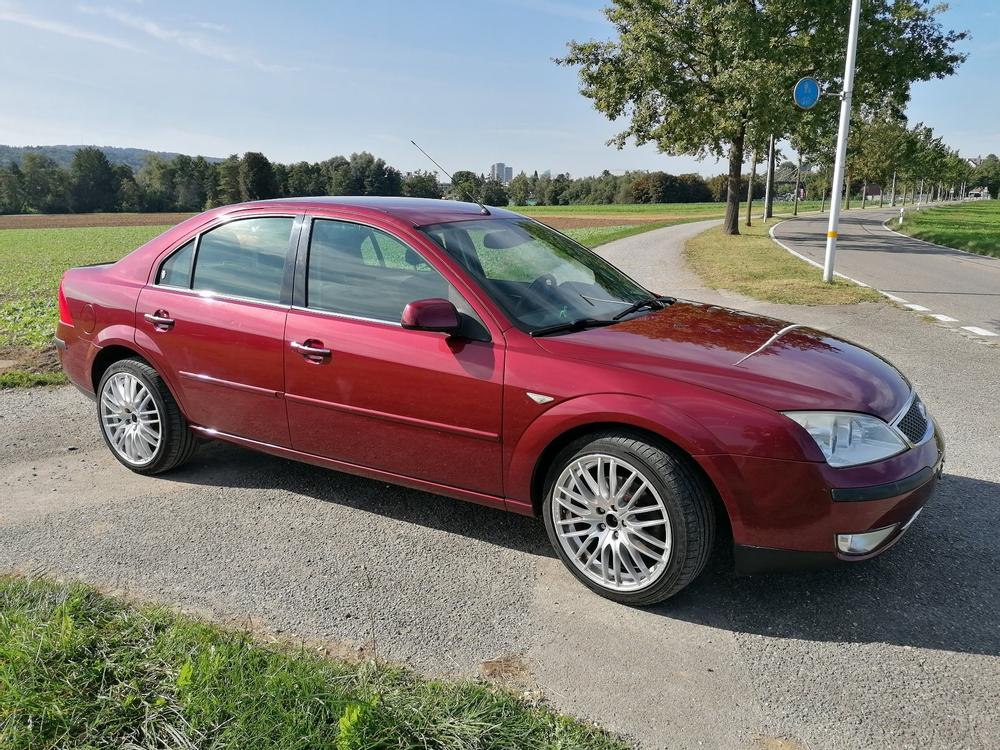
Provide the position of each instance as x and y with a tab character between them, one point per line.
973	226
33	260
594	236
79	669
753	265
27	379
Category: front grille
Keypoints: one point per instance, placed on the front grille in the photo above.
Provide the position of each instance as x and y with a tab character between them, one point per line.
913	424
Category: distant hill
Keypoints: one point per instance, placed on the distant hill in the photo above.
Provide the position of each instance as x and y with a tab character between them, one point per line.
63	155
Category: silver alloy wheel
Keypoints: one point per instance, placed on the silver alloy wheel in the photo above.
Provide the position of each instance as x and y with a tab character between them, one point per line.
130	418
611	522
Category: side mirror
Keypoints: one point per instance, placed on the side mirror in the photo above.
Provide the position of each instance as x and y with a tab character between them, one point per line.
437	315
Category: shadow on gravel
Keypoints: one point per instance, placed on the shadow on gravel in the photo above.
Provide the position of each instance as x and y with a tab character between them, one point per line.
935	589
218	464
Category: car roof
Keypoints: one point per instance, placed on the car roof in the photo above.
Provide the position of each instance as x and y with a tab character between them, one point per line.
415	211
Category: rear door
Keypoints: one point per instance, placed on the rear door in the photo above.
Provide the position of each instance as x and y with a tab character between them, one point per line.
214	315
413	403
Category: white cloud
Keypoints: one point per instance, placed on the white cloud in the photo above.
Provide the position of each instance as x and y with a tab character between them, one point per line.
11	14
191	41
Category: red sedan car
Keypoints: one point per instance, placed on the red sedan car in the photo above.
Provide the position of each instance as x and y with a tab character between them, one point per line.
478	354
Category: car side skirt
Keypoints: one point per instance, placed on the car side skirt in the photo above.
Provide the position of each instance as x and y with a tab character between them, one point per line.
349	468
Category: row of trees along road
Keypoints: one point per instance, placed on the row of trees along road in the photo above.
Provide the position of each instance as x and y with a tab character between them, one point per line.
714	77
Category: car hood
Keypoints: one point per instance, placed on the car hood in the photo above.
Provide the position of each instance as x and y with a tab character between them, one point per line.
752	357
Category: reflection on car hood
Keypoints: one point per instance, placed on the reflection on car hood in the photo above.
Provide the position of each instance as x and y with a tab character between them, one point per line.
753	357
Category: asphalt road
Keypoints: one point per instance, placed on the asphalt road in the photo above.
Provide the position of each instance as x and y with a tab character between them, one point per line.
937	280
901	652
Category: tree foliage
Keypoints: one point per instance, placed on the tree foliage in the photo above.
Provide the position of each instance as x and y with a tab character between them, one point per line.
701	77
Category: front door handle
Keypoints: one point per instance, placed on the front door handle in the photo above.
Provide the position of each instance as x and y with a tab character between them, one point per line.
160	319
311	352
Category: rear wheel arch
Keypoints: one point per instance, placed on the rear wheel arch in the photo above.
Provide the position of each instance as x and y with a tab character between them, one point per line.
107	356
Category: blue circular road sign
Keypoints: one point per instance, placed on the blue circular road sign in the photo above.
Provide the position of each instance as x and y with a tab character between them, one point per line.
806	93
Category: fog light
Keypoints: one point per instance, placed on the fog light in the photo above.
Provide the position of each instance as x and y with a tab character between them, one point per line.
862	544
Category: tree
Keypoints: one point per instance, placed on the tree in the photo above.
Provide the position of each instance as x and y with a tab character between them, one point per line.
465	185
421	185
306	179
693	76
11	199
92	181
228	189
256	177
520	190
44	185
493	193
987	174
128	194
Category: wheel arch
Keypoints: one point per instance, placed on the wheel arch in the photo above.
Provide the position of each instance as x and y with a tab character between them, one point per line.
560	441
107	356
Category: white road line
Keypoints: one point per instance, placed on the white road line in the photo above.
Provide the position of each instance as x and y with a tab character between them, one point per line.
894	298
808	260
944	318
978	331
917	308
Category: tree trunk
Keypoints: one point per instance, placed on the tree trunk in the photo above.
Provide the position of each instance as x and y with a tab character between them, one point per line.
798	174
769	186
731	224
847	191
892	195
753	178
864	193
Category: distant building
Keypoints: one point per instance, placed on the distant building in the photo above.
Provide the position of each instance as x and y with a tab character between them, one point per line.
508	175
981	193
499	172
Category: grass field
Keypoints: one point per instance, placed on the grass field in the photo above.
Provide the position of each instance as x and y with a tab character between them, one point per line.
80	669
972	226
752	264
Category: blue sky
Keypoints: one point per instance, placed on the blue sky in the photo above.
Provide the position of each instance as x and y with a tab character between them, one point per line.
471	80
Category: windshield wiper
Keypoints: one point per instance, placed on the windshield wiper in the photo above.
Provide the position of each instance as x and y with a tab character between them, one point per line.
654	303
572	325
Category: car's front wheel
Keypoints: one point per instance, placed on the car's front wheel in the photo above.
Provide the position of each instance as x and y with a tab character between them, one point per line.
140	420
633	521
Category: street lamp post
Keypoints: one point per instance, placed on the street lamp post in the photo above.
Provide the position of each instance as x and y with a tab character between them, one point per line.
842	133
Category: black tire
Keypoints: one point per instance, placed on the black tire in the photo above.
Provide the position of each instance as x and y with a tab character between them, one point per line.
177	442
686	496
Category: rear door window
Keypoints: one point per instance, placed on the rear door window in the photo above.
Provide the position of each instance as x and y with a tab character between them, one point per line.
244	258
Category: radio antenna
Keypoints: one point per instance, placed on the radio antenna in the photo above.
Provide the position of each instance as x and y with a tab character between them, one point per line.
485	211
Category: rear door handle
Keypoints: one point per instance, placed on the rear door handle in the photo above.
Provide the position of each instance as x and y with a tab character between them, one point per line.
160	319
311	351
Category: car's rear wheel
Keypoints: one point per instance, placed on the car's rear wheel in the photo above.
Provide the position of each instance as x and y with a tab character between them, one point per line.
140	420
633	521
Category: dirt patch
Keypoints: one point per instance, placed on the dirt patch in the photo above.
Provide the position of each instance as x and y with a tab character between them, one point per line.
29	360
508	669
59	221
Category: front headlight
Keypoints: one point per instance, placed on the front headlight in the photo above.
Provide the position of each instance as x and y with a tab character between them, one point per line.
849	439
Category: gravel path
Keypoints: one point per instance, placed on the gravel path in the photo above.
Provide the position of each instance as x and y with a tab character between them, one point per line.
900	652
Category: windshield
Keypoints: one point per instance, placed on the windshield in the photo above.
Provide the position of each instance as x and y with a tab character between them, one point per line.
539	277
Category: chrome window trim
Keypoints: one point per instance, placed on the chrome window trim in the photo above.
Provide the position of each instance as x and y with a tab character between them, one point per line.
210	295
894	423
346	316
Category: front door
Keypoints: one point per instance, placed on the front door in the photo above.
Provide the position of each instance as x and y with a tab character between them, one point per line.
215	319
361	389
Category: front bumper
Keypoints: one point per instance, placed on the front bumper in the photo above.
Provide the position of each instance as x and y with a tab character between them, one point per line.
799	514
